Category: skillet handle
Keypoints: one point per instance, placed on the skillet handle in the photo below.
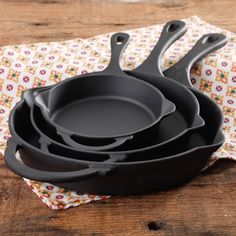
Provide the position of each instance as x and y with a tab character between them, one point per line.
113	158
206	44
119	41
21	169
116	143
172	31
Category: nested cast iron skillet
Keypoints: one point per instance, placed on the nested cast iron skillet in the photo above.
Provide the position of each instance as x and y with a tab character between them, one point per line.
185	119
135	177
106	105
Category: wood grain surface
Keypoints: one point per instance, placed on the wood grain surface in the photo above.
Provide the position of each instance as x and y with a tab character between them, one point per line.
205	207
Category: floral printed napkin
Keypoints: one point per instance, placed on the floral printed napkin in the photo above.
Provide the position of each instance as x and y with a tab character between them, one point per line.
33	65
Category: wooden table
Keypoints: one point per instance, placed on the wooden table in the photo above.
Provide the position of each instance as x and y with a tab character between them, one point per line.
205	207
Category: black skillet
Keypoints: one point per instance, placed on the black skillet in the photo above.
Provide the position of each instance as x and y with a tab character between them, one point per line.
183	120
122	177
105	106
103	102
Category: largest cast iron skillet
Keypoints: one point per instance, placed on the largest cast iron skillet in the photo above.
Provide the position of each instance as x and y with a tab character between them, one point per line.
114	178
108	104
170	129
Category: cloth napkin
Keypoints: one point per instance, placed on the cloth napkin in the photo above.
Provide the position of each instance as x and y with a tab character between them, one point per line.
32	65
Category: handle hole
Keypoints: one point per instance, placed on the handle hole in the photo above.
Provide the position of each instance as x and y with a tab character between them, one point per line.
172	27
210	39
120	40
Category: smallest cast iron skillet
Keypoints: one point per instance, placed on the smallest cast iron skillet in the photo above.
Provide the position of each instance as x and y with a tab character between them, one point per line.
107	105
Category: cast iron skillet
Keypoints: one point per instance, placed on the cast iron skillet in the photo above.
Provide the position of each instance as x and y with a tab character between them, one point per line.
116	178
106	105
183	120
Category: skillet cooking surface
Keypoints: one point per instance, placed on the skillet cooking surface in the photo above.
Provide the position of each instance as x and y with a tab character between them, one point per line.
104	115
